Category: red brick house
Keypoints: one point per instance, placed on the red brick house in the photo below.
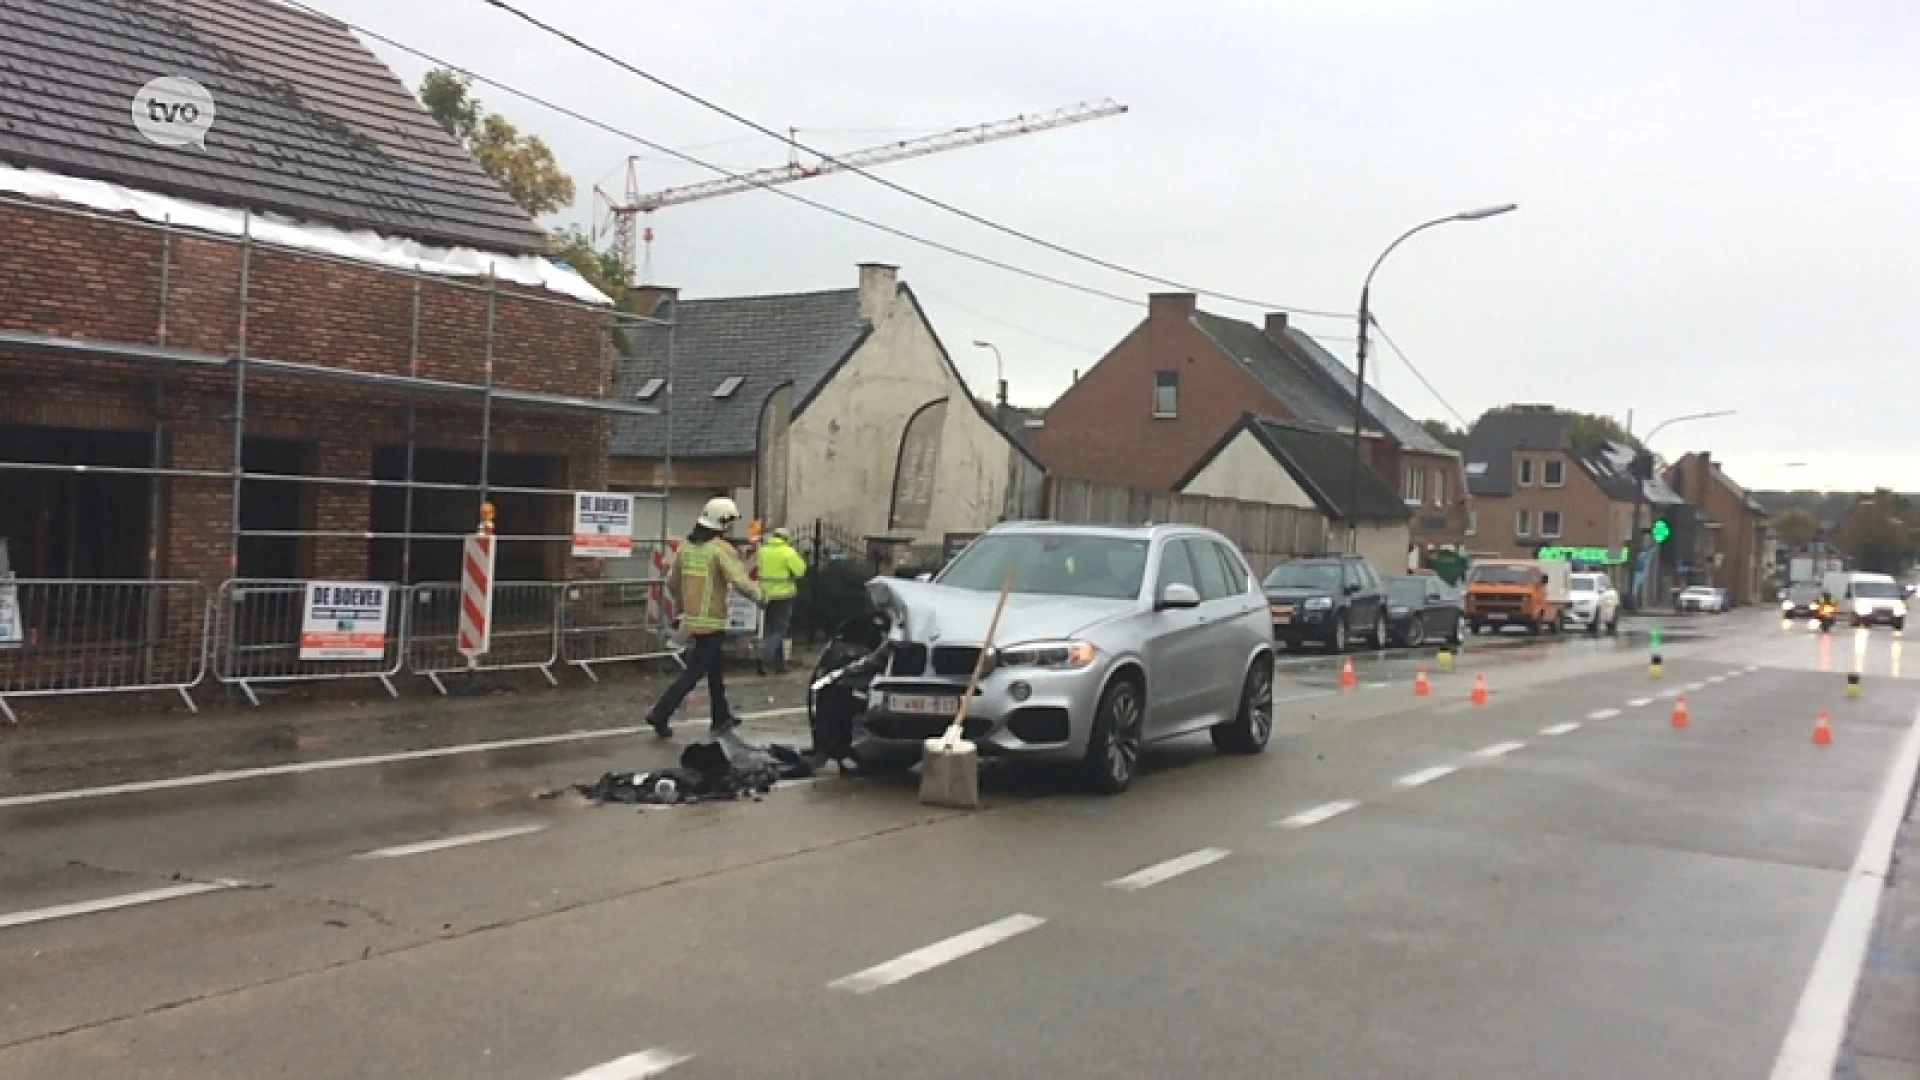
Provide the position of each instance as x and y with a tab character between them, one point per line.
1172	388
330	293
1730	547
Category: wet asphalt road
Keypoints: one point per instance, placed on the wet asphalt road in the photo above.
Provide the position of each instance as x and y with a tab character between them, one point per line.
1558	883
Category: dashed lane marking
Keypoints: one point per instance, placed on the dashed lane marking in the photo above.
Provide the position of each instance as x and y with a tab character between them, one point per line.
1671	694
1603	714
640	1066
1716	678
1499	749
935	955
1560	729
1696	687
400	851
1425	776
1639	703
1172	868
114	903
1318	814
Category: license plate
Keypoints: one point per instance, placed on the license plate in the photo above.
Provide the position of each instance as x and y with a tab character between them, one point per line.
1281	614
922	704
1496	618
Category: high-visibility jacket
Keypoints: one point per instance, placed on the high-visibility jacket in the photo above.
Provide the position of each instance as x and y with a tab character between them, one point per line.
699	579
781	569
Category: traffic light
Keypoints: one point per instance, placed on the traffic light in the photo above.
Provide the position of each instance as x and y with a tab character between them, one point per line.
1661	531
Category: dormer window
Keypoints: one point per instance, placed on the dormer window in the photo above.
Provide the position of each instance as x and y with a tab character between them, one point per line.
727	386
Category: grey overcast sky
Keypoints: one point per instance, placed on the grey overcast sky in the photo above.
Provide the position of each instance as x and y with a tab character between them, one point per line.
1720	199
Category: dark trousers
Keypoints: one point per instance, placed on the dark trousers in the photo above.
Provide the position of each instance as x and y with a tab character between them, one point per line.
705	658
774	630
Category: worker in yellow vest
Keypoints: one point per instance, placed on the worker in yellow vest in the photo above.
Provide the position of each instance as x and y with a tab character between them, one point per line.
781	569
704	569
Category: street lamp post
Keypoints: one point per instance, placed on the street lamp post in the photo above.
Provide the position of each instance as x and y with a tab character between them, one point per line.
999	372
1641	598
1360	365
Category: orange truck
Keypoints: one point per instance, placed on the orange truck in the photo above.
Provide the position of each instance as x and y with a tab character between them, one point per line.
1517	592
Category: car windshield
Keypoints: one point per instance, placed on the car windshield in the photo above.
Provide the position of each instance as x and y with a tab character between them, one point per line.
1698	590
1503	575
1052	564
1582	583
1407	591
1803	594
1876	590
1305	575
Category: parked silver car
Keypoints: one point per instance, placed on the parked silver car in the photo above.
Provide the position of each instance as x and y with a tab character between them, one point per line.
1113	638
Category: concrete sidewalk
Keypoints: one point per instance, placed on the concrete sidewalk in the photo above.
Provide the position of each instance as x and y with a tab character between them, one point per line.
1885	1041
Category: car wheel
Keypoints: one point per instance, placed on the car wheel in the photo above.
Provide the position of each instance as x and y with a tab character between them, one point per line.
1252	726
1899	624
1460	631
1339	643
1416	634
1113	747
1613	628
1378	639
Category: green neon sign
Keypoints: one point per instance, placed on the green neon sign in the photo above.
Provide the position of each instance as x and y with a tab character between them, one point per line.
1661	531
1583	554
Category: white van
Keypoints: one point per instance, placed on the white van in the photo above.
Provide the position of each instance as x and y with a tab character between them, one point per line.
1866	599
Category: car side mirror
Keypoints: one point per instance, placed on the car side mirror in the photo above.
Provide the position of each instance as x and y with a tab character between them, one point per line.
1353	587
1177	596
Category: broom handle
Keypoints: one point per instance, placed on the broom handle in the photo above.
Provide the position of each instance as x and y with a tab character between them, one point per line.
980	662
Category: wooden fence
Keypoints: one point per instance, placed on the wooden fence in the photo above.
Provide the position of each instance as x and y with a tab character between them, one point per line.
1266	533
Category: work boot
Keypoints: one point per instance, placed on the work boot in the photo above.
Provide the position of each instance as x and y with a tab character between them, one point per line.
660	726
722	725
759	665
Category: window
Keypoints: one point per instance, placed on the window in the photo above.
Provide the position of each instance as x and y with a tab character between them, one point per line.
1550	523
1052	564
1473	522
1523	523
1166	394
727	386
1175	568
1214	584
650	390
1237	571
1526	472
1440	487
1553	473
1416	492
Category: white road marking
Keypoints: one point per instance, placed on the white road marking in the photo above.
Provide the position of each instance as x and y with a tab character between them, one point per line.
1424	776
1172	868
328	764
399	851
114	903
940	952
640	1066
1670	694
1376	686
1318	814
1812	1046
1639	703
1696	687
1751	668
1603	714
1716	678
1499	749
1560	729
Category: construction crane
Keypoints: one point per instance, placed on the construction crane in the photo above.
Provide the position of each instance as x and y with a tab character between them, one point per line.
618	216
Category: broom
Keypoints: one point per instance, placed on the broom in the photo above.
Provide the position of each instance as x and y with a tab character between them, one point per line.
950	765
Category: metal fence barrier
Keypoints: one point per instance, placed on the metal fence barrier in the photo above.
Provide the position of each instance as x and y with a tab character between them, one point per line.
525	634
256	639
609	622
60	637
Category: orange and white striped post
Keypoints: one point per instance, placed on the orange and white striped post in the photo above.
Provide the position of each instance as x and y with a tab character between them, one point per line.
476	590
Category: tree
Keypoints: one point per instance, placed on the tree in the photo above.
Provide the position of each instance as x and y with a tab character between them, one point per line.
600	266
1877	533
1446	434
1796	526
1588	430
522	164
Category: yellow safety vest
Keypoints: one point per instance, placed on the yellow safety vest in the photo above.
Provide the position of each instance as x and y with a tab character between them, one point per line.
699	580
781	569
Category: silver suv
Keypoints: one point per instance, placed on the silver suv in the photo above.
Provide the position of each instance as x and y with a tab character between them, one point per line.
1111	638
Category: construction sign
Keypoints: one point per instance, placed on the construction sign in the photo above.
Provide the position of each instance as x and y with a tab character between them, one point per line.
602	525
476	597
344	620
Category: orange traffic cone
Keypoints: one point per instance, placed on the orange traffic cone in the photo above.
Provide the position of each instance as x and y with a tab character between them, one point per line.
1822	731
1420	687
1680	711
1347	680
1479	695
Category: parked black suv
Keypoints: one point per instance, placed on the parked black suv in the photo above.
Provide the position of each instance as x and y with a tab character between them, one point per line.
1329	600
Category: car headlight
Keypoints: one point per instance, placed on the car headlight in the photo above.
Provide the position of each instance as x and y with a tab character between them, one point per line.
1058	655
1318	603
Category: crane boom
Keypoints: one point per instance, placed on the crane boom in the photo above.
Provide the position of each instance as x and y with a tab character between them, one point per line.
956	139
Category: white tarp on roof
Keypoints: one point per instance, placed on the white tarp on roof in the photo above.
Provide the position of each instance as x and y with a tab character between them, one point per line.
359	246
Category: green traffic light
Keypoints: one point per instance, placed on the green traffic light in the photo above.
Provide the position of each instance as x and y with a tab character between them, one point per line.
1661	530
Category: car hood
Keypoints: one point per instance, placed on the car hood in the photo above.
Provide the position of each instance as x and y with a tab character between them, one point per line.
926	612
1295	596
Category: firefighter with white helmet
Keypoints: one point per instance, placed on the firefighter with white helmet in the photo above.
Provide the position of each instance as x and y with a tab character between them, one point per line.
704	570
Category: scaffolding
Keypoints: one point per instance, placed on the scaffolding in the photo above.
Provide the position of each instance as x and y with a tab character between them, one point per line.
161	351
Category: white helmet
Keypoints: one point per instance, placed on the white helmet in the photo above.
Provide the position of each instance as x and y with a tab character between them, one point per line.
719	514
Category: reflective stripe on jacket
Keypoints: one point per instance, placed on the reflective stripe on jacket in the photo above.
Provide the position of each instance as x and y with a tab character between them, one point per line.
781	569
699	580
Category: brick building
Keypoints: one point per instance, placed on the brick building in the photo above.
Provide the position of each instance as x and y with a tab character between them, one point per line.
1729	542
1173	387
331	286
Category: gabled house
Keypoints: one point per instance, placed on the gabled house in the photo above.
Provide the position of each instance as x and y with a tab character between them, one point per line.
1174	386
1283	463
1534	489
840	407
1729	550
